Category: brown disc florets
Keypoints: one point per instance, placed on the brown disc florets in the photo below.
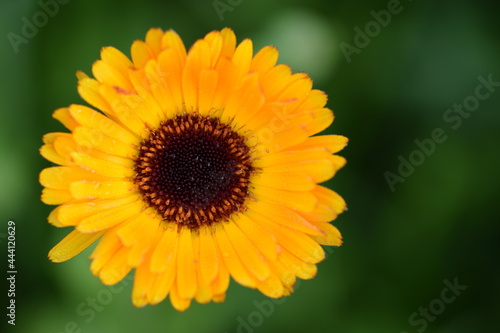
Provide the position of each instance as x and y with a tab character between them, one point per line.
194	170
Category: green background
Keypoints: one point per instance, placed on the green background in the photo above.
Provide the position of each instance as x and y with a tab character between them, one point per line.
440	224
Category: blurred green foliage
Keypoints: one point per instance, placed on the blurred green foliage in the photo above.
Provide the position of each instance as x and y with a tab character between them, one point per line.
400	246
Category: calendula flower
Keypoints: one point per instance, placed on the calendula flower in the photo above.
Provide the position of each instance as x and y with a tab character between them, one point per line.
196	167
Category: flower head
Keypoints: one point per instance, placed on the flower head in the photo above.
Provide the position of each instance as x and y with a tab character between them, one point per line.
197	166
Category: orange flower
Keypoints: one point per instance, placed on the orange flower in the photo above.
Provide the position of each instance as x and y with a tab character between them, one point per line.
201	166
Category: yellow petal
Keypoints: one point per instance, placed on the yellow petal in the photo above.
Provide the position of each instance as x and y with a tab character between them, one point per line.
154	39
296	242
322	118
271	287
331	235
163	283
275	80
245	101
143	281
179	303
105	249
89	90
262	238
315	99
139	234
290	181
221	283
101	189
93	138
214	40
60	177
93	119
55	197
74	243
65	118
144	104
203	293
170	70
123	106
207	87
106	73
303	201
302	269
139	229
165	253
186	273
209	261
72	213
49	153
329	205
333	143
140	53
286	217
249	255
116	268
270	141
171	40
109	218
104	167
53	217
296	92
291	157
231	259
117	59
228	43
317	163
226	82
242	58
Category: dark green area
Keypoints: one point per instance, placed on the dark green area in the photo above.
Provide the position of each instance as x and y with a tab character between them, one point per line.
401	244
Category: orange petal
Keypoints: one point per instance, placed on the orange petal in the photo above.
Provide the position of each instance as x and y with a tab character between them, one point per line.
154	38
264	60
196	61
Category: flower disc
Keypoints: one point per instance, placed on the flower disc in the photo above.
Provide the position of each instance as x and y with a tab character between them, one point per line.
194	170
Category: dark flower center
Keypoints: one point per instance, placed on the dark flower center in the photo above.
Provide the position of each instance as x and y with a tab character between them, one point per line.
194	170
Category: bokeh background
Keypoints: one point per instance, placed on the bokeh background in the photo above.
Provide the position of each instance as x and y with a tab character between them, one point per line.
401	244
